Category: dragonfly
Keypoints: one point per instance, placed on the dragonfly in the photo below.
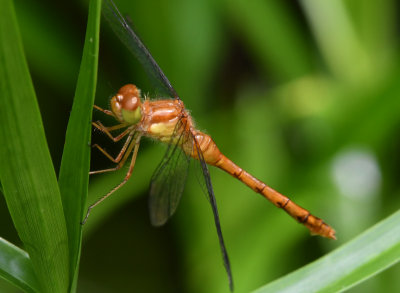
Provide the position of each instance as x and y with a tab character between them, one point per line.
168	121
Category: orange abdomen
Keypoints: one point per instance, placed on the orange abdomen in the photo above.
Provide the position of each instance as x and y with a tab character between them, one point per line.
214	157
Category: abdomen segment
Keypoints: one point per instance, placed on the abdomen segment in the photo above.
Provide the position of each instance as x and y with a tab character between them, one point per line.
214	157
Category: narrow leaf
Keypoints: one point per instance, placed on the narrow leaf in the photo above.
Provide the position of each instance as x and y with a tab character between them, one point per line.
16	267
27	174
363	257
74	172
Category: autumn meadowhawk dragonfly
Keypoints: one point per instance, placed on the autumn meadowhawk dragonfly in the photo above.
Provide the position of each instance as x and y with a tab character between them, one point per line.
166	120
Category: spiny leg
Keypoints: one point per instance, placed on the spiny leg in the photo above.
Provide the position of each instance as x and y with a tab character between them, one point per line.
112	128
108	112
107	130
134	144
121	153
124	153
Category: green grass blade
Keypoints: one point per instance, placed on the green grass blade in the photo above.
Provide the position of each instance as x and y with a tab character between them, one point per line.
338	40
27	174
16	267
286	54
74	172
363	257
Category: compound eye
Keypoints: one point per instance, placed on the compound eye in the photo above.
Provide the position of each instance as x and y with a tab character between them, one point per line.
126	104
129	97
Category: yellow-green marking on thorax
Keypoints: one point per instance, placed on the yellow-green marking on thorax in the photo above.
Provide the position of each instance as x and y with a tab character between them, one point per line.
163	131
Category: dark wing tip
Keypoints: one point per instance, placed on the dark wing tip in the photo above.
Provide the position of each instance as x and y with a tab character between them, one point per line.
156	222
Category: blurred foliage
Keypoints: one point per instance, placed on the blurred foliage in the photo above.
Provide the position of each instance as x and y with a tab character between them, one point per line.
304	95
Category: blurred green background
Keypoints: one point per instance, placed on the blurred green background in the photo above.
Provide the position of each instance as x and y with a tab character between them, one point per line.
305	95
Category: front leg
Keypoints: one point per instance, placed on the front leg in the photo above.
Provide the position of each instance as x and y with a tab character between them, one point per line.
133	147
107	130
108	112
117	159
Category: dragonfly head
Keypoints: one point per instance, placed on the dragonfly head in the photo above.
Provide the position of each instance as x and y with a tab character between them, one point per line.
126	104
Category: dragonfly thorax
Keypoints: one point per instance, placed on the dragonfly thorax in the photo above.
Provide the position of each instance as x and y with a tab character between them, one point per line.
126	104
161	118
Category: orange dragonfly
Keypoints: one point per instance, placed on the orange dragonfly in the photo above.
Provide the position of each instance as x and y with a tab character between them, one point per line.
168	121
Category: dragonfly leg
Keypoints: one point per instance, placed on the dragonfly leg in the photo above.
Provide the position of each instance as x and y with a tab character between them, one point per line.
115	127
108	112
124	153
119	156
107	130
135	146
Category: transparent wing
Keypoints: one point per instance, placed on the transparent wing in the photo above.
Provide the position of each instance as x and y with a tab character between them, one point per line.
169	180
129	38
211	197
